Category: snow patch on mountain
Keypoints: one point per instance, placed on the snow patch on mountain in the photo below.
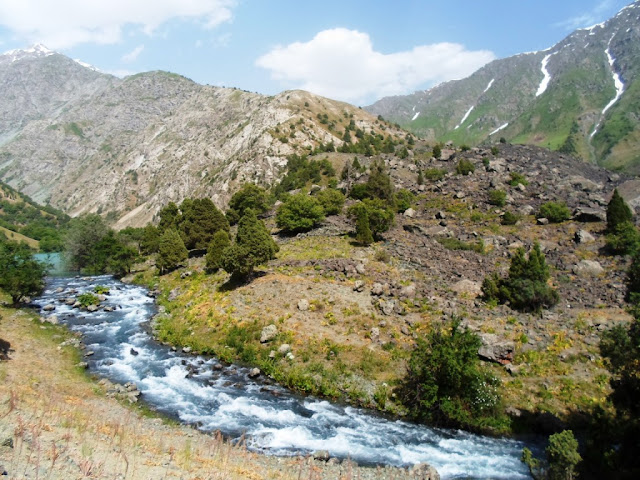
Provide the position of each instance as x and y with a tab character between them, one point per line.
547	76
501	127
86	65
34	51
617	82
489	86
415	116
464	118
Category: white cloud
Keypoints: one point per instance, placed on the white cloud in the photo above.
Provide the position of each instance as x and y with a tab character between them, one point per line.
65	23
586	19
342	64
132	56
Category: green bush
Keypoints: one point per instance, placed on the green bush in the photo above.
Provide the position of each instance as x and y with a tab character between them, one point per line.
404	199
380	216
331	200
445	383
624	239
555	212
299	213
494	151
249	196
451	243
88	298
509	218
21	275
465	167
518	179
437	151
618	212
525	287
434	174
562	458
498	198
171	251
101	290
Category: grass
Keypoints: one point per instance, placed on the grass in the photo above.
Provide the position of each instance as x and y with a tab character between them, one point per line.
18	237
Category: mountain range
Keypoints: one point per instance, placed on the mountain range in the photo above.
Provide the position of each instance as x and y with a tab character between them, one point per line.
85	141
581	96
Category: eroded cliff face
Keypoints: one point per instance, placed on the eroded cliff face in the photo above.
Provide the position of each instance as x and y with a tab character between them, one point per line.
89	142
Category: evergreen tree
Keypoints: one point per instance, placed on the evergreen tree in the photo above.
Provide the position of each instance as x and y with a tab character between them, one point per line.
169	217
253	246
617	212
299	213
420	177
363	232
218	244
332	201
20	274
85	233
379	183
171	251
249	196
633	280
200	221
150	240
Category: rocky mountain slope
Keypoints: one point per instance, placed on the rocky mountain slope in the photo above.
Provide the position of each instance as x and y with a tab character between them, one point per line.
580	96
85	141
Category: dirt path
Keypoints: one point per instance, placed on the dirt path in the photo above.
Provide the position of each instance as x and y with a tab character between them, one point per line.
56	423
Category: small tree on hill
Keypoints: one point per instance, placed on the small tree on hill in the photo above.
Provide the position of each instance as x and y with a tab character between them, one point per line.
201	219
253	246
171	251
332	201
363	232
380	217
562	458
555	212
249	196
218	244
379	184
20	274
299	213
618	212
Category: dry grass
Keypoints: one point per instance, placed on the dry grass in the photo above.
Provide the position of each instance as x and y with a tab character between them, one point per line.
18	237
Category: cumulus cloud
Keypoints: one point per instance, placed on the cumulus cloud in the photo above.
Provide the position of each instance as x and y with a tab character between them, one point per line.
342	64
132	56
588	18
65	23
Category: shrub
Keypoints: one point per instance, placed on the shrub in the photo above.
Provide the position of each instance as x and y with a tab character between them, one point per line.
21	275
445	383
363	231
359	191
437	151
379	214
465	167
518	178
509	218
498	198
404	199
434	174
299	213
456	244
525	287
494	151
200	220
379	183
555	212
503	140
88	298
101	289
624	239
464	147
249	196
562	458
331	200
171	251
618	212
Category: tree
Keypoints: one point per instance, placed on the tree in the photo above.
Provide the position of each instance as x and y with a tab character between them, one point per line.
85	233
249	196
437	151
379	183
169	217
379	214
201	219
562	458
299	213
445	383
404	199
218	244
617	212
171	251
633	280
465	167
332	201
150	240
624	239
363	232
253	246
525	287
21	275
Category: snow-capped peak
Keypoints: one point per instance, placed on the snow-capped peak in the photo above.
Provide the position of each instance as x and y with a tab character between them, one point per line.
34	51
86	65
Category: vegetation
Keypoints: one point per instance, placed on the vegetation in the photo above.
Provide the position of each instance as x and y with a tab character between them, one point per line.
618	212
332	201
525	287
445	383
404	199
624	239
509	218
379	215
465	167
363	231
20	274
199	221
562	458
301	172
249	196
299	213
498	198
518	179
218	244
171	251
555	212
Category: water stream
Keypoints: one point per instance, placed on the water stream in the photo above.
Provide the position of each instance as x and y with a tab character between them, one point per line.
274	420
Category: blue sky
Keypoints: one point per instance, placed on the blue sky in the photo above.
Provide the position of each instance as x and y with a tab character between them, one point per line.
357	51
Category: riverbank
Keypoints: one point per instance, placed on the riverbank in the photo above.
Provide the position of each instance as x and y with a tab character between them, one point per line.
57	423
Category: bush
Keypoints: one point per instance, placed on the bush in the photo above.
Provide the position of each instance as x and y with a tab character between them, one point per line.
618	212
509	218
249	196
562	458
498	198
404	199
331	200
624	239
525	287
379	215
445	383
437	151
518	179
494	151
21	275
363	231
555	212
456	244
299	213
434	174
88	298
465	167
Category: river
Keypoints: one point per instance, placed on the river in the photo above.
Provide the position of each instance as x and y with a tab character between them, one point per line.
273	420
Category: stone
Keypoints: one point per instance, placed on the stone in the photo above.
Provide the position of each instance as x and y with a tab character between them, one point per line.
358	286
441	215
388	307
409	212
360	269
407	292
53	320
284	349
584	214
526	210
186	349
254	373
173	294
268	333
377	289
49	308
495	349
582	236
303	305
588	268
467	287
321	455
133	352
92	308
542	221
405	330
374	334
424	471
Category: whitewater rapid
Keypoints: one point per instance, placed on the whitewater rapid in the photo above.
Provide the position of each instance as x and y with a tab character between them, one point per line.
272	419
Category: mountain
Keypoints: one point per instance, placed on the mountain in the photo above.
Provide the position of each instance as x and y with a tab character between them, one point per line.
580	96
84	141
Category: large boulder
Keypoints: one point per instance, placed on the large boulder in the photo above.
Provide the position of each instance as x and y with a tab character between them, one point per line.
467	287
496	349
268	333
588	268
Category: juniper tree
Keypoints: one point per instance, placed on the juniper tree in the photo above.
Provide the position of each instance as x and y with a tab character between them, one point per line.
617	212
171	251
218	244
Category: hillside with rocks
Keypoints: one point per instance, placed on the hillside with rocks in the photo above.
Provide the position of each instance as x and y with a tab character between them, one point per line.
578	96
84	141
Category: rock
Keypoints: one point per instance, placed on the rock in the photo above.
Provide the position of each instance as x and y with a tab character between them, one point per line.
53	320
495	349
375	334
133	352
254	373
377	289
582	236
405	330
69	301
360	269
8	442
186	274
441	215
387	307
583	214
467	287
49	308
358	286
268	333
542	221
173	294
321	455
407	292
303	305
109	309
89	353
92	308
186	349
59	290
409	212
520	187
513	412
424	471
526	210
588	268
284	349
216	367
83	365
